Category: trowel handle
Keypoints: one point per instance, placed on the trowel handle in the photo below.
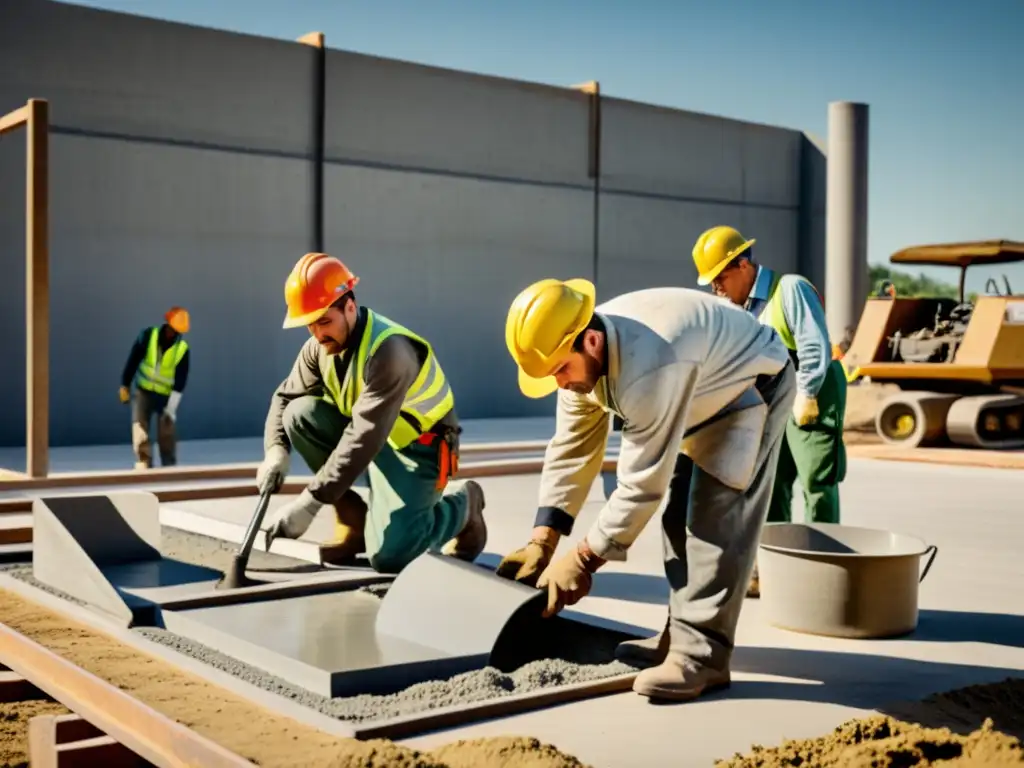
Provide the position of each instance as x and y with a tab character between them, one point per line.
254	525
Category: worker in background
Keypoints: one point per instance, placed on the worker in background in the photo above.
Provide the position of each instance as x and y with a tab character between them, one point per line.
158	362
367	395
813	449
703	391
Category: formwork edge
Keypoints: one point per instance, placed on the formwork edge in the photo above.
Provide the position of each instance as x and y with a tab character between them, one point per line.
466	714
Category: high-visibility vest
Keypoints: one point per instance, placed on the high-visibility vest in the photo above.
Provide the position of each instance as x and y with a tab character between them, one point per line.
156	372
428	399
774	314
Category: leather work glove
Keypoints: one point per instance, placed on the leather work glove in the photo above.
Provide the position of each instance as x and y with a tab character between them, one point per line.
171	409
124	394
294	518
272	472
526	564
805	409
569	579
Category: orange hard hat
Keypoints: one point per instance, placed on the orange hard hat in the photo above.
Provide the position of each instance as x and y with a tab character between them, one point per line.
315	283
177	318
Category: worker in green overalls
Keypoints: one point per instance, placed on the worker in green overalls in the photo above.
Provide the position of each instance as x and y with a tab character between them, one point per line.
812	450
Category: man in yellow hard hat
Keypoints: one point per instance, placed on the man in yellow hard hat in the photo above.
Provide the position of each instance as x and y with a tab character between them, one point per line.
703	391
158	363
812	451
366	394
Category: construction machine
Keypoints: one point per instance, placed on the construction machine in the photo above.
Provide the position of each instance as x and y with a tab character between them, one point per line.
959	364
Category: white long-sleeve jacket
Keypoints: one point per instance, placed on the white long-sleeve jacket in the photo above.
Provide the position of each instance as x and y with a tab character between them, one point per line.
676	358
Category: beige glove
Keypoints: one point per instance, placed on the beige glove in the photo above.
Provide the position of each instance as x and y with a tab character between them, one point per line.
124	394
569	579
293	519
526	564
805	409
272	472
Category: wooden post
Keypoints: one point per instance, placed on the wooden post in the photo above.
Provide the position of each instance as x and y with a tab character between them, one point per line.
316	41
37	290
35	116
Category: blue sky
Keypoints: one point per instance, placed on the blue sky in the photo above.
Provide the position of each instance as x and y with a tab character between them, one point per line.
945	80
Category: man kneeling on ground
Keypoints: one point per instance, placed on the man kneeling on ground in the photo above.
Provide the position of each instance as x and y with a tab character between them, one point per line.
367	395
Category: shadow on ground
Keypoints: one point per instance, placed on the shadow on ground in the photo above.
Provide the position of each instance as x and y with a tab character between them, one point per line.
888	684
968	627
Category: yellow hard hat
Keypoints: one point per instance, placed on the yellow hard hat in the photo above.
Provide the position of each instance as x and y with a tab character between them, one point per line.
177	318
715	249
542	324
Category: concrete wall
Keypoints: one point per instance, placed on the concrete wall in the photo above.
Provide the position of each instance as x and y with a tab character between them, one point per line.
667	175
182	173
179	174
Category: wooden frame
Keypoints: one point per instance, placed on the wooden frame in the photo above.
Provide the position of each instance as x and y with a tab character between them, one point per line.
141	729
35	116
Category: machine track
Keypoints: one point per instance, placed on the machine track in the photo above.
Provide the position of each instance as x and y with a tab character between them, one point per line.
918	419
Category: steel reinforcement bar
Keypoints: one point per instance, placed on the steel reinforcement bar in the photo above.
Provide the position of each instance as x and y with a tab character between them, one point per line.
108	727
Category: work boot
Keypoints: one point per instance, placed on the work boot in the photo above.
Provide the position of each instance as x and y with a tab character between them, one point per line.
349	524
648	652
471	540
679	678
754	588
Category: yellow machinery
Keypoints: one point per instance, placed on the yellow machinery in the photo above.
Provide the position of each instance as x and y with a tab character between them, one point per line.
959	366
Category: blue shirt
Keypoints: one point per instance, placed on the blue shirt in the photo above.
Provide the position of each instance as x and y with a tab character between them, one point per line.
806	319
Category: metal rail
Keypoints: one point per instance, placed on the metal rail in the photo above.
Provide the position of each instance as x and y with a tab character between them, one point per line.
115	717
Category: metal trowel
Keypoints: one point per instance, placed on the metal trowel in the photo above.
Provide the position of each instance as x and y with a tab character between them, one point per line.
234	576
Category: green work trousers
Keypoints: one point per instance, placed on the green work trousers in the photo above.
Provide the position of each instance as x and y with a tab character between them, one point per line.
407	514
815	455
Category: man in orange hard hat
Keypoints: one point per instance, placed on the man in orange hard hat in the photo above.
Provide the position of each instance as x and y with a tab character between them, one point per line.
703	391
158	363
813	451
367	395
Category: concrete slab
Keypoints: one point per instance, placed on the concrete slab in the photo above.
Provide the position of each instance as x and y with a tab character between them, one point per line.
787	685
325	643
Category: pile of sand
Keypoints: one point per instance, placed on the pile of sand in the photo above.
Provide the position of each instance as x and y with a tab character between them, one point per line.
941	735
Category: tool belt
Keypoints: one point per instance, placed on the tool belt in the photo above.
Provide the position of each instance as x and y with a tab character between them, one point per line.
448	452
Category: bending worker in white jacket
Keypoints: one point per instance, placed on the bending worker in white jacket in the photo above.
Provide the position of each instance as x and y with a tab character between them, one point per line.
704	391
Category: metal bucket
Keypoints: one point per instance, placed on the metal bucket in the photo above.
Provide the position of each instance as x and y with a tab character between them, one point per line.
841	581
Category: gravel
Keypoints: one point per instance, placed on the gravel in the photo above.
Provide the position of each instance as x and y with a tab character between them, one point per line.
478	685
569	652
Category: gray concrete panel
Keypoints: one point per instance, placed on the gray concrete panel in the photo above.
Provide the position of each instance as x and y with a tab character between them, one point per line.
76	537
394	113
128	75
325	643
446	256
427	603
139	227
12	288
655	150
646	243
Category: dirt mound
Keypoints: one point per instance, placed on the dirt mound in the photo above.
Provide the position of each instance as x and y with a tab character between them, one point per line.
939	735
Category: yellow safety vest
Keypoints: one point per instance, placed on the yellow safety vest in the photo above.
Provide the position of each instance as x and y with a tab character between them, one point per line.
428	399
774	314
155	375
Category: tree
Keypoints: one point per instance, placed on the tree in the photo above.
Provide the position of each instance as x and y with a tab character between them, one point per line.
910	286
